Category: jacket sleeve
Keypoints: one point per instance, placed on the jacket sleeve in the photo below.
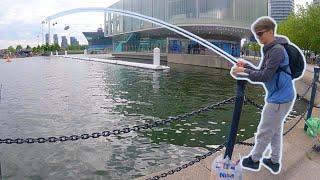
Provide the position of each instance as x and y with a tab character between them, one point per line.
247	66
272	64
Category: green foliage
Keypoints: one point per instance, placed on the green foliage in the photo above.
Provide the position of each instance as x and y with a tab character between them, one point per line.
18	48
11	49
76	47
303	28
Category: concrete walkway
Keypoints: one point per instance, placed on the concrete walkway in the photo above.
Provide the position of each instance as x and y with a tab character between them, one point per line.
299	161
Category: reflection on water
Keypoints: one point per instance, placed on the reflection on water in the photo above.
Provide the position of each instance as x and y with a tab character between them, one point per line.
44	97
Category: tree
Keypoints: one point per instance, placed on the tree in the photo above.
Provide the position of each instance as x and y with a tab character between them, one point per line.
255	47
18	48
11	49
302	28
28	47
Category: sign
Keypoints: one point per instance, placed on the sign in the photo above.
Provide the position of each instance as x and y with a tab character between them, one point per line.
225	169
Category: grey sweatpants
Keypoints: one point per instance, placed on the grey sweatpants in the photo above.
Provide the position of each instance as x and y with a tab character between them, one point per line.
270	131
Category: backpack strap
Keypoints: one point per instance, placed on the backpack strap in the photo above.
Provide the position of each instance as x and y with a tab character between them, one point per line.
284	69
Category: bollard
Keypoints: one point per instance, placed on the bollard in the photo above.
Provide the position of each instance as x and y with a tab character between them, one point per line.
85	52
156	56
65	53
316	72
57	53
241	85
51	53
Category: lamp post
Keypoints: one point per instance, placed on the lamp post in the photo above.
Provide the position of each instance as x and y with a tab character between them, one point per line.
42	23
268	8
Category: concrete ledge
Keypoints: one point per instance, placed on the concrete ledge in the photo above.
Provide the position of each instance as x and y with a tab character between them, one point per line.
200	60
124	63
138	55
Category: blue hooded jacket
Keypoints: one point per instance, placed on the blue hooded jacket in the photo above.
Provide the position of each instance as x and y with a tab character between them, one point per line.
279	85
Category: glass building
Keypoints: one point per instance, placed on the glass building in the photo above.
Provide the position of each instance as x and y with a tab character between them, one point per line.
281	9
221	22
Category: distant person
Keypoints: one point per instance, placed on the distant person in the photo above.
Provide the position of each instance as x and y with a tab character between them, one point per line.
317	60
275	74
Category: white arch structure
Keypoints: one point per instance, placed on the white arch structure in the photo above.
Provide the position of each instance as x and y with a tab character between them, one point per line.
159	22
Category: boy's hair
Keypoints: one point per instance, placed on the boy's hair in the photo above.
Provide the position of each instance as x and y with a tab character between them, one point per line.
264	23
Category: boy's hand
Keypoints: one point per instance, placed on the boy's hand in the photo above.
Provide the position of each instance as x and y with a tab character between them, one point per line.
237	70
241	63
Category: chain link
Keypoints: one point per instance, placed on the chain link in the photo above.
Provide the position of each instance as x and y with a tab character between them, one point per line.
290	129
304	94
115	131
186	165
250	101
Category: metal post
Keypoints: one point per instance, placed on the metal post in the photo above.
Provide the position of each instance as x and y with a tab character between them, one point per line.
42	23
105	23
49	32
241	84
313	93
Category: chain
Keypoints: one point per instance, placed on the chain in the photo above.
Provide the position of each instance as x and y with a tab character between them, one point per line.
258	106
316	148
115	131
290	129
244	143
304	94
186	165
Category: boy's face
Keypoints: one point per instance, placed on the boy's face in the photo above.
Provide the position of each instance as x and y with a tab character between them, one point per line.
264	36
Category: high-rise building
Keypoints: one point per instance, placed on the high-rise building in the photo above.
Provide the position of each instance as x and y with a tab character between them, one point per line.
47	38
281	9
55	39
64	42
73	41
316	2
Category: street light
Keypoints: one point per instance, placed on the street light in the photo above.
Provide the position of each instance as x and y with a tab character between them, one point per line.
42	23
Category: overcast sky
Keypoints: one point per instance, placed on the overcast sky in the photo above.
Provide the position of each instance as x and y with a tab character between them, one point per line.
20	20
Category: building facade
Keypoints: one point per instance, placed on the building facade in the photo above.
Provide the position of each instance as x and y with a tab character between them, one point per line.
47	38
55	39
64	42
281	9
221	22
97	41
74	41
316	2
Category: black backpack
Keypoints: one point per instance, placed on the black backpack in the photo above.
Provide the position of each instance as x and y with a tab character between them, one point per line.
296	61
